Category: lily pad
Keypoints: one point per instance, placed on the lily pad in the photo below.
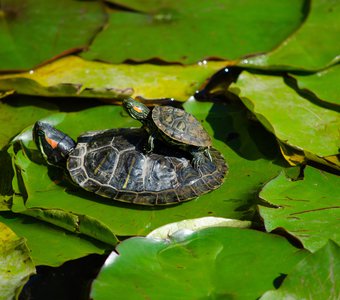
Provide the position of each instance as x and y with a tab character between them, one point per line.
190	31
323	84
15	263
313	46
14	117
73	76
34	31
18	114
213	263
308	209
48	244
250	152
294	120
316	277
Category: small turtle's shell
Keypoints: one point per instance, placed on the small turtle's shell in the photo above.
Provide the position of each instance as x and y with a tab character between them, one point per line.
112	163
180	126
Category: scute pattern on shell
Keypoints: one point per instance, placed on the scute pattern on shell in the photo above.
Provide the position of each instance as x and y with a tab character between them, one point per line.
180	126
111	163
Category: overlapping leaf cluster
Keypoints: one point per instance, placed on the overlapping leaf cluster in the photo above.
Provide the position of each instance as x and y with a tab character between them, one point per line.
281	110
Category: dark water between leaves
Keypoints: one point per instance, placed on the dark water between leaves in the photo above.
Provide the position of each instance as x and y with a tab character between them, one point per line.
70	281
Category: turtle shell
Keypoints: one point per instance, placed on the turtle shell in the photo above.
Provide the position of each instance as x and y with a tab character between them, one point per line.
180	126
111	163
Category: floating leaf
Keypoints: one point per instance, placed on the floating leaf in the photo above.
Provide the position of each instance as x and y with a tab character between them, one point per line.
18	114
314	46
15	263
48	244
191	225
294	120
250	152
189	31
73	76
324	84
34	31
316	277
213	263
308	209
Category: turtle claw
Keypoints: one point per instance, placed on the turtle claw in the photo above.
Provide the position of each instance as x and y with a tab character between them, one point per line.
196	162
147	150
199	157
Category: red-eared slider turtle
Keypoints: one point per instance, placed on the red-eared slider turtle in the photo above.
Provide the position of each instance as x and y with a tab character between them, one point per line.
173	126
111	163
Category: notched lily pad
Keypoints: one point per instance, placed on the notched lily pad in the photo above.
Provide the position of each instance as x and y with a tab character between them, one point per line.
313	46
207	264
73	76
34	31
315	277
294	120
323	84
308	209
15	263
190	31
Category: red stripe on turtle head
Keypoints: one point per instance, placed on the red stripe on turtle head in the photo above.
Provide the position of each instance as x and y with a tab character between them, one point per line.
51	142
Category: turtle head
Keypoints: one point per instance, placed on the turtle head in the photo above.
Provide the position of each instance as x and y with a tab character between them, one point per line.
136	110
53	144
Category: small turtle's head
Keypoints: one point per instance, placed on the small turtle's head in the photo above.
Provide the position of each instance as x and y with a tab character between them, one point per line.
136	110
53	144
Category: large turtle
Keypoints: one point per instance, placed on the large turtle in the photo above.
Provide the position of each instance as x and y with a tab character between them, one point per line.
173	126
111	163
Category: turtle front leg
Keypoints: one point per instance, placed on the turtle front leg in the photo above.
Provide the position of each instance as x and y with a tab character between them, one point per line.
197	158
150	145
208	154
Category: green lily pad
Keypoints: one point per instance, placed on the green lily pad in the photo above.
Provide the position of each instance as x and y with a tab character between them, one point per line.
323	84
14	117
73	76
313	46
48	244
15	263
18	114
316	277
308	209
249	152
213	263
190	31
34	31
294	120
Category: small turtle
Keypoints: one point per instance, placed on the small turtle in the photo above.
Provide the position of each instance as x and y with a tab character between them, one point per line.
111	163
173	126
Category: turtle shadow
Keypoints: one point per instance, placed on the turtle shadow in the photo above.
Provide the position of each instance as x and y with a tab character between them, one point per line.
234	125
79	192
